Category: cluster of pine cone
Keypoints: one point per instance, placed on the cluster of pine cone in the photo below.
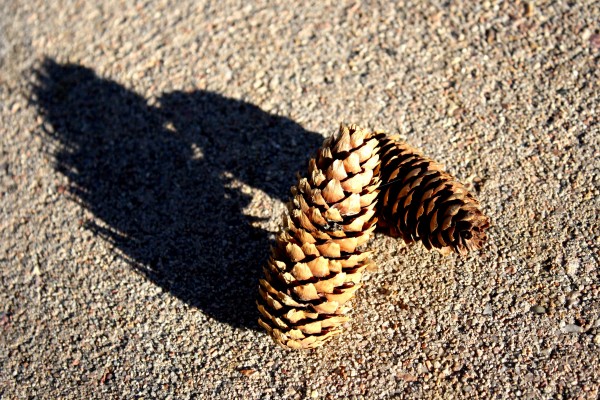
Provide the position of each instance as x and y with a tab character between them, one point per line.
358	180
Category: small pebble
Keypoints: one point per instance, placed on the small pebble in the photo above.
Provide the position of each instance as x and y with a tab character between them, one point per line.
595	41
538	309
572	328
572	267
487	310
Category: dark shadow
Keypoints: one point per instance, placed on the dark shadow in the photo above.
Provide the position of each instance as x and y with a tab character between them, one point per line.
158	180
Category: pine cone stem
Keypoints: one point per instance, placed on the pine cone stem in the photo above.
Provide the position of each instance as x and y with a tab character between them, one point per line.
419	201
316	265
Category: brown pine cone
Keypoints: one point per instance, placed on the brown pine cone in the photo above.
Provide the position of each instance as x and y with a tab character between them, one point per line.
316	265
420	201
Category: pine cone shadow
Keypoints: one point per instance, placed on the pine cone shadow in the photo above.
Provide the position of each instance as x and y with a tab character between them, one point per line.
158	180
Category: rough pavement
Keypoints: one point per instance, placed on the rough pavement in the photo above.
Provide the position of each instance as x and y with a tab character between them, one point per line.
146	153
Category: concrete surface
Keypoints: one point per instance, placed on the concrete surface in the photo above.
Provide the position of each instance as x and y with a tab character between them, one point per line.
147	150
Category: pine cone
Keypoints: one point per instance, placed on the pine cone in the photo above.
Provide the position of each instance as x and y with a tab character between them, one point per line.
315	266
420	201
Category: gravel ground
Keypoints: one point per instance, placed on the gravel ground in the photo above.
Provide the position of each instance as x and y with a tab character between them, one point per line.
147	149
